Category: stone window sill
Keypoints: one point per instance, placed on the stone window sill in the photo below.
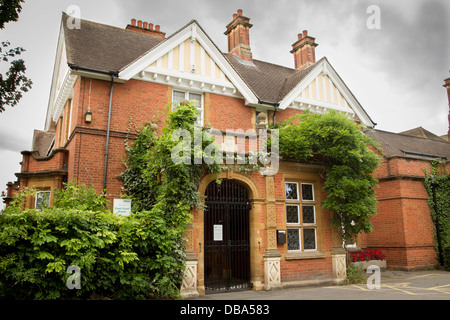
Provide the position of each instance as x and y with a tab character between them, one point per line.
304	255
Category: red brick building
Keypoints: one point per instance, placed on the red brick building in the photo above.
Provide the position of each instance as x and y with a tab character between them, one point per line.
108	81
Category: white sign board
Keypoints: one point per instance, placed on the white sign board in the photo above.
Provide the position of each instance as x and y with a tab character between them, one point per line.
218	232
122	207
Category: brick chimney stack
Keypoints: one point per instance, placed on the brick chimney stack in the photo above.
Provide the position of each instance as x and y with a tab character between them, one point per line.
447	86
145	27
238	32
304	51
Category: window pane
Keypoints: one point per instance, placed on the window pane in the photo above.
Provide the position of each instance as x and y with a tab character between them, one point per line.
307	192
291	191
308	214
197	98
309	239
178	96
293	239
292	215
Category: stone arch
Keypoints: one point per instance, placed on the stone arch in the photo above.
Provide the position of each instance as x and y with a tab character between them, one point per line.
256	227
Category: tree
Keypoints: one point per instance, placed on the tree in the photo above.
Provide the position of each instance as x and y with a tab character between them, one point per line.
15	83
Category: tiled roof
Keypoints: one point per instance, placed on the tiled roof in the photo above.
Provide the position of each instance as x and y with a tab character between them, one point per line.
270	82
421	132
401	145
104	47
109	48
42	141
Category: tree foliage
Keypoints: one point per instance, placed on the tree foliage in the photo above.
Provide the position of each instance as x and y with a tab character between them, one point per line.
9	11
340	145
14	83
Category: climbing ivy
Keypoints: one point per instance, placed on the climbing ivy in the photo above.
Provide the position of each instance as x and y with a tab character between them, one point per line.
441	179
339	144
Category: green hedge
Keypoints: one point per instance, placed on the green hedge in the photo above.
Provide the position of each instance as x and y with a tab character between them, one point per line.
135	257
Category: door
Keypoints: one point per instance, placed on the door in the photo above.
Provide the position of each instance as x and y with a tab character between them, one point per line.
227	240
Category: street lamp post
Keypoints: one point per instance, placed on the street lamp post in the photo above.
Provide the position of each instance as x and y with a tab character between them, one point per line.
433	190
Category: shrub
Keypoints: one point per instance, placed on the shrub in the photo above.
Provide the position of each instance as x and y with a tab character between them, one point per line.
135	257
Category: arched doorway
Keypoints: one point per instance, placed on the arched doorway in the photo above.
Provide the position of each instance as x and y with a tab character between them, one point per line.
226	237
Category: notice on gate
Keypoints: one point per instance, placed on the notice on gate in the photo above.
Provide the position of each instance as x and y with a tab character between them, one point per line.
218	232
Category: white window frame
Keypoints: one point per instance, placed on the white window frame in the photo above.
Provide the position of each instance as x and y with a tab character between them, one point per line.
313	195
186	96
301	226
299	240
314	211
315	238
298	192
298	214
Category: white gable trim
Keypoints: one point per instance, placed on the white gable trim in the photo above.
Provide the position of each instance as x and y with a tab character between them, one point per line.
292	98
195	33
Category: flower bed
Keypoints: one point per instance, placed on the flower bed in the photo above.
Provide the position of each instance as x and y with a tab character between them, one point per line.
364	259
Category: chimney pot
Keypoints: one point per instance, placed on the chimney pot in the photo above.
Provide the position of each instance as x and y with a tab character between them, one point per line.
140	23
157	28
145	25
150	26
133	22
238	32
304	51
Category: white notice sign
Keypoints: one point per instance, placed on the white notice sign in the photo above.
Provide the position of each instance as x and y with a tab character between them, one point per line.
122	207
218	232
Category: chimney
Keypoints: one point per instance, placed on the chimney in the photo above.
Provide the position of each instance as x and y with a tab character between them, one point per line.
238	32
304	51
447	86
145	27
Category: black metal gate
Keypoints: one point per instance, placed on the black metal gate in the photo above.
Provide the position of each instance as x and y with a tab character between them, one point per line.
227	237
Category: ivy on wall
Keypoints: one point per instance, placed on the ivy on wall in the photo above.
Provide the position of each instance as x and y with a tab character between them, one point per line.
439	177
339	144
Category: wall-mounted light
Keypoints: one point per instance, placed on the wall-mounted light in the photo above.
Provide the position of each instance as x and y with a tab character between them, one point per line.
88	117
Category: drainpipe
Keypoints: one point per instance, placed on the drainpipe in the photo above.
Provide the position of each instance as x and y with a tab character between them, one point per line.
105	175
112	74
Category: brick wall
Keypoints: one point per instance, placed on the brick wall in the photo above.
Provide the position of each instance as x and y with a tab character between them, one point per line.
402	227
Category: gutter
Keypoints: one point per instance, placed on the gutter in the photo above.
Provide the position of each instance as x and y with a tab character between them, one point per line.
274	104
80	68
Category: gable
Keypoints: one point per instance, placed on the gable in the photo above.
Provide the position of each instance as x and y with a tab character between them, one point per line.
189	59
322	89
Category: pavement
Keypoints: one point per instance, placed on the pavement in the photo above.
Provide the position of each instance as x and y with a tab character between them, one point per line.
393	285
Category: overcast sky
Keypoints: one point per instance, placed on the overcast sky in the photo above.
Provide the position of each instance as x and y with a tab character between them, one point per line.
396	72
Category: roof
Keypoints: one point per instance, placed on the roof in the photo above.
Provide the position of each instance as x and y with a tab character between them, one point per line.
42	141
108	48
104	47
112	49
421	132
269	81
402	145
